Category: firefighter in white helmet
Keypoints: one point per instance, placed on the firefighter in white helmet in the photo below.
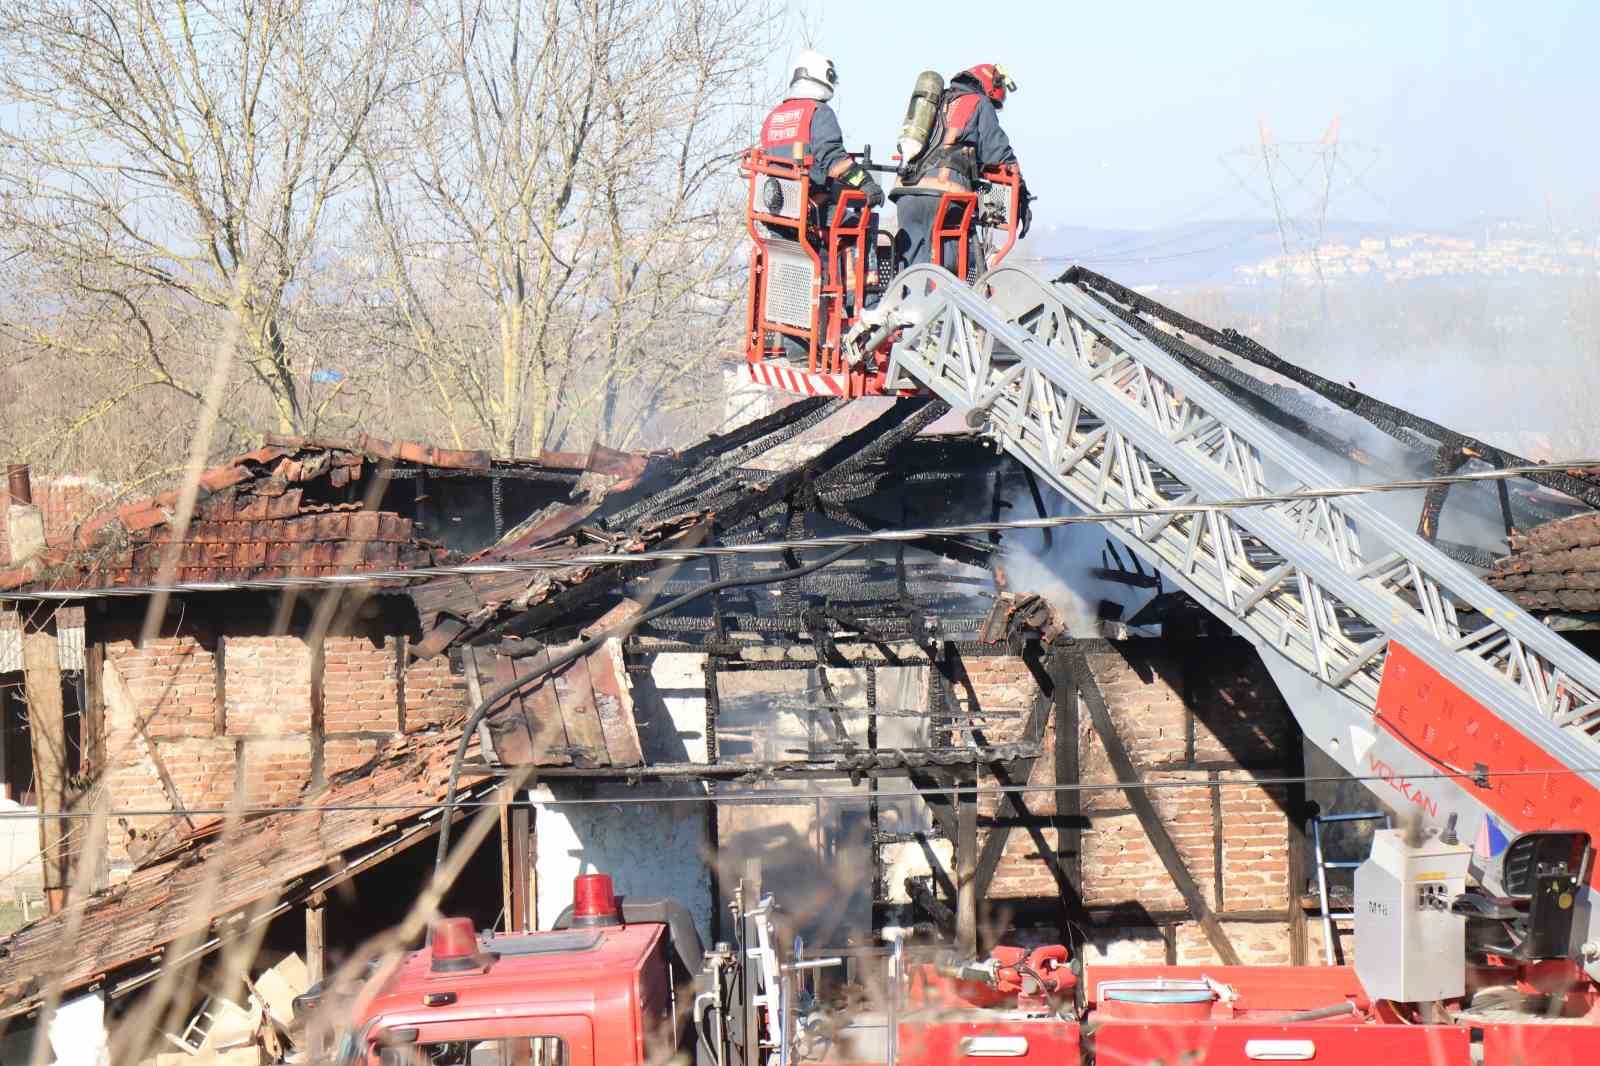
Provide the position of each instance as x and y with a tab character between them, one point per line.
804	124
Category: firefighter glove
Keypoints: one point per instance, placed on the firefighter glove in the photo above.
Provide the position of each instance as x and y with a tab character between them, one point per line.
1025	210
858	177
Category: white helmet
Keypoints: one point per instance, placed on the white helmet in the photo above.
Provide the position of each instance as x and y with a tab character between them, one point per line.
814	77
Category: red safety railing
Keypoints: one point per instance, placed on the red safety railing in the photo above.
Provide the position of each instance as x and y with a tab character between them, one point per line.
954	222
837	248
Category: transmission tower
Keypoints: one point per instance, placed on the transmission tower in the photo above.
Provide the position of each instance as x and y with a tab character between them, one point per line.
1297	181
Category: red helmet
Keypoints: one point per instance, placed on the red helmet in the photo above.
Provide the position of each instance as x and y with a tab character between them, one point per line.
993	80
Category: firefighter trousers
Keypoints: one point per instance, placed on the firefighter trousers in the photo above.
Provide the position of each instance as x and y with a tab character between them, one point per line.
914	243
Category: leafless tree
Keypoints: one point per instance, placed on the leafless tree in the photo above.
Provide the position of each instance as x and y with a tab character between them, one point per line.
164	165
555	216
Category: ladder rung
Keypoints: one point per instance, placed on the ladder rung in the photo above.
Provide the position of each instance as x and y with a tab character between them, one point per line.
1363	816
1341	916
1342	864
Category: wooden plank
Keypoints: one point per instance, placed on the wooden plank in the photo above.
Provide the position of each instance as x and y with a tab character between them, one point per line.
503	798
967	872
613	700
316	936
574	691
508	727
520	911
1069	801
92	737
541	711
1149	818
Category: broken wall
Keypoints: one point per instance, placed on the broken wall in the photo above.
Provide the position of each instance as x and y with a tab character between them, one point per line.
1203	721
202	711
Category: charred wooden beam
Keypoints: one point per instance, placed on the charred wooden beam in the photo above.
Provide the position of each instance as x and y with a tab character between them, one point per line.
1398	423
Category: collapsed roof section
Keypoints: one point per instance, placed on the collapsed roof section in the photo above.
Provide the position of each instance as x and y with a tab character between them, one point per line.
222	881
759	482
314	506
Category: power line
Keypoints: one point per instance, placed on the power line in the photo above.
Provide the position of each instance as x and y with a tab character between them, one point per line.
889	536
769	796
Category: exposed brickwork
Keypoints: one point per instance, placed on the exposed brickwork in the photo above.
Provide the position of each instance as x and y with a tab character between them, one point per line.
1120	865
343	753
1209	718
1258	943
171	679
276	770
268	685
161	714
434	695
359	686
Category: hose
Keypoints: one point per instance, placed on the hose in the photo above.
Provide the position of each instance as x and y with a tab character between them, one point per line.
561	661
1317	1014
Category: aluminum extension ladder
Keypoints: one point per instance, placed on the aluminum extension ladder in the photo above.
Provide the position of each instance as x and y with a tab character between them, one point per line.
1330	932
1116	424
1324	586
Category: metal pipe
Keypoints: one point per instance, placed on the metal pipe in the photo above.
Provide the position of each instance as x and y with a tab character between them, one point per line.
19	483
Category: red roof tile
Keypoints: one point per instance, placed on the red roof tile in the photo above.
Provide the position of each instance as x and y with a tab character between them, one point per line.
211	875
253	519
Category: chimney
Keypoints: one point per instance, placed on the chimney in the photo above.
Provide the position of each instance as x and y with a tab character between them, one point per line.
24	521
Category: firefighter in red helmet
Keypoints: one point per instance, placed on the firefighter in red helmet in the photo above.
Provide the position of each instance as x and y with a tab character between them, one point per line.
803	124
966	138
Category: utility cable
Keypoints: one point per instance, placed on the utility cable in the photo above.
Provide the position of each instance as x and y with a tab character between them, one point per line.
887	536
761	796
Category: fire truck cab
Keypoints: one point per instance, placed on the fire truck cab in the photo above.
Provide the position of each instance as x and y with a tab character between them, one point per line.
602	990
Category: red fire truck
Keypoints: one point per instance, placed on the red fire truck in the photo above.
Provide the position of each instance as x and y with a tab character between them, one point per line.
1446	975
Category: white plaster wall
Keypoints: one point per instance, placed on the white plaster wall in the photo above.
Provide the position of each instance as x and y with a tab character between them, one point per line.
649	849
20	868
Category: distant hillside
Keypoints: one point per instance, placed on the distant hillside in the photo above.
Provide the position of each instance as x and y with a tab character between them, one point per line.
1249	252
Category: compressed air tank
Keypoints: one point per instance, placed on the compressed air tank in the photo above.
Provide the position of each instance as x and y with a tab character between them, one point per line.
920	115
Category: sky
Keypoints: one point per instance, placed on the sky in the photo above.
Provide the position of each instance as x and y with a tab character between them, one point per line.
1449	112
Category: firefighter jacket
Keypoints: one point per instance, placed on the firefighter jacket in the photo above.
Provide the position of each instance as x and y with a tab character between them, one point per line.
797	128
967	138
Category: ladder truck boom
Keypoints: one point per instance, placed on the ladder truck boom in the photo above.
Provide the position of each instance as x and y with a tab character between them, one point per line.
1399	661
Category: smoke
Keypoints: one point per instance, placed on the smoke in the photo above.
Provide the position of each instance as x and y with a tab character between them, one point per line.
1069	571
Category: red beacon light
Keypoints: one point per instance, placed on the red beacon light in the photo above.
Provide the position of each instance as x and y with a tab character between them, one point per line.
454	946
594	901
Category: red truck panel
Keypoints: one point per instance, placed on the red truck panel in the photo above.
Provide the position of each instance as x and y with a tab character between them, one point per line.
1246	1043
948	1041
1541	1045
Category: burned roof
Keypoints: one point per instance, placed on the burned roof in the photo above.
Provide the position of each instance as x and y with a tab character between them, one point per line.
219	881
501	624
296	507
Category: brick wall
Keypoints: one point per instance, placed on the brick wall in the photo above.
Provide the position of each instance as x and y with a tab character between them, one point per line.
166	736
1206	716
433	694
360	684
268	685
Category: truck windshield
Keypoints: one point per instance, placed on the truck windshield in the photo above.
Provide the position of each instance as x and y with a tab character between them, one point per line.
494	1051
